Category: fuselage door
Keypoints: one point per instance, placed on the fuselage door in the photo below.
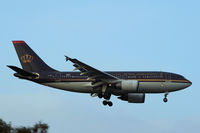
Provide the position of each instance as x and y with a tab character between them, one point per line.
167	83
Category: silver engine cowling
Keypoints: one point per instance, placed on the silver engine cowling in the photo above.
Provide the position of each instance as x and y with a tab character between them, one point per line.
128	85
133	97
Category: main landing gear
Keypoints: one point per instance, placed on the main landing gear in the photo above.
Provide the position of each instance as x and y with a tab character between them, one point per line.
107	97
165	98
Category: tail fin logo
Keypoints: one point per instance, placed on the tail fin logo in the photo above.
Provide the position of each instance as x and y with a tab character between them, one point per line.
27	58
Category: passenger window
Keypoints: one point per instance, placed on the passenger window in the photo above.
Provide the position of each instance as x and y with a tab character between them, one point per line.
58	75
125	75
119	75
68	75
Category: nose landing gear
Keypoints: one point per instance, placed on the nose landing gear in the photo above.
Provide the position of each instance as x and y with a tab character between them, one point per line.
165	98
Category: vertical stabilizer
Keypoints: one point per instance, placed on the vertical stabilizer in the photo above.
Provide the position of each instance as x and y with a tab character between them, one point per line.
29	60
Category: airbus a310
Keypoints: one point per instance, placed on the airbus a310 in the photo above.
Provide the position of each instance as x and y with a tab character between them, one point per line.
128	86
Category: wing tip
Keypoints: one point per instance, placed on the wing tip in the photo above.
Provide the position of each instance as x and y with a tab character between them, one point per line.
67	58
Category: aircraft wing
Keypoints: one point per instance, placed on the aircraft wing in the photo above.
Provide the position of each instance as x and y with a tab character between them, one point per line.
91	72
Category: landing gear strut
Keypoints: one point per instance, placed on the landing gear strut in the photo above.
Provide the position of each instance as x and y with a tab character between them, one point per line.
165	98
107	96
109	103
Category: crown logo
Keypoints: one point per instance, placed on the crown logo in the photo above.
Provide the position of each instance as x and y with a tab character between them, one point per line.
27	58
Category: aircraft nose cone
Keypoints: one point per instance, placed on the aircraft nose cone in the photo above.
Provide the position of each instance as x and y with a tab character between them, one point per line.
189	83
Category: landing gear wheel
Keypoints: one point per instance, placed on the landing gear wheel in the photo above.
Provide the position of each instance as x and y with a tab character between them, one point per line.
107	96
165	99
105	103
110	104
100	95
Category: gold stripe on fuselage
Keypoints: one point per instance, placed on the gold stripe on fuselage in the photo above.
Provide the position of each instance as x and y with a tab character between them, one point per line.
140	80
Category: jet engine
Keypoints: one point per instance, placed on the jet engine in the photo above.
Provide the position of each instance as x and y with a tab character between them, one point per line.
133	97
128	85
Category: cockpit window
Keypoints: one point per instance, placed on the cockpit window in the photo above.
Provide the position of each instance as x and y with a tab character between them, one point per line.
177	77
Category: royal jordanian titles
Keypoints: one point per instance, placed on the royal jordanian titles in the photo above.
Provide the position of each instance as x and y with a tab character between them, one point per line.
129	86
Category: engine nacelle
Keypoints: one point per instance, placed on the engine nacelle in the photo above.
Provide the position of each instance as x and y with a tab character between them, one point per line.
128	85
133	97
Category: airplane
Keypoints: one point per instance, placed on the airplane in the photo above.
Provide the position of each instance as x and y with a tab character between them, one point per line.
130	86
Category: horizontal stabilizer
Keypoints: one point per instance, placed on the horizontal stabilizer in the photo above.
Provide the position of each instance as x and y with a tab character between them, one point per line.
22	72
